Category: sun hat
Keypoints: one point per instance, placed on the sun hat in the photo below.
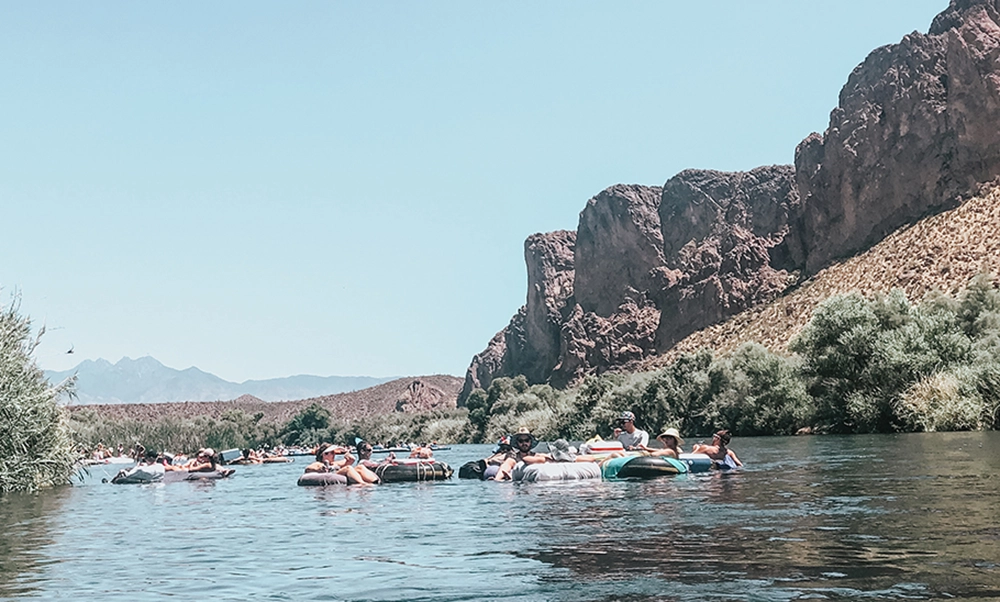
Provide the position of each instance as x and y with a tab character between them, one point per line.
626	417
671	432
561	451
524	431
207	451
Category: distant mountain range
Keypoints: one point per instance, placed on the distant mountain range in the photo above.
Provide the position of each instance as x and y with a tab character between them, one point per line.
146	380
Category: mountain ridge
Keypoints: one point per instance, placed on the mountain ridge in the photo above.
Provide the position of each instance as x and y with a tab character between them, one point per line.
147	380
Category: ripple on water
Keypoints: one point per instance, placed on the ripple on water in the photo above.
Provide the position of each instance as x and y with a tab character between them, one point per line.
824	518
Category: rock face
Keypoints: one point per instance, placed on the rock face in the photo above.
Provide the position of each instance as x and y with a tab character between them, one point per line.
420	397
618	244
718	233
530	344
916	129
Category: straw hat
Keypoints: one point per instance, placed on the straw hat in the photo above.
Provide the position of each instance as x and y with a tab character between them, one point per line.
671	432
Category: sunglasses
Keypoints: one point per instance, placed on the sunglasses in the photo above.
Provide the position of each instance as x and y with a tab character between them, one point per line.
520	440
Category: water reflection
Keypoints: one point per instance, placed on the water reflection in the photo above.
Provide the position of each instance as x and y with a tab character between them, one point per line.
26	528
834	518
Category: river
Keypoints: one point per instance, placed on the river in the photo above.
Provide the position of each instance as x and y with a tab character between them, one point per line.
885	517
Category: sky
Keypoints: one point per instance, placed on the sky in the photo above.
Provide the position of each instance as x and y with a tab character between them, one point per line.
265	189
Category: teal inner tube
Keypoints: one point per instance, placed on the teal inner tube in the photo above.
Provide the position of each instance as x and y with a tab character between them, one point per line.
422	471
641	467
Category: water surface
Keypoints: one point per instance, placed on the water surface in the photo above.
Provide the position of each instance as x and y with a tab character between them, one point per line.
888	517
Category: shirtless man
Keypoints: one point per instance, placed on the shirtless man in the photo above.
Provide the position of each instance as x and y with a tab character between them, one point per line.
718	450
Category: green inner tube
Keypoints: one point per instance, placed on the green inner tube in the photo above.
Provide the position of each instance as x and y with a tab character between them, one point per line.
641	467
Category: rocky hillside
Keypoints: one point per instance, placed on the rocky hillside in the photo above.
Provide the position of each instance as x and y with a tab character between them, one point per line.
940	253
400	395
914	133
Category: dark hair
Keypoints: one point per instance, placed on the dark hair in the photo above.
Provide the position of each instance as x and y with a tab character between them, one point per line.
319	451
725	436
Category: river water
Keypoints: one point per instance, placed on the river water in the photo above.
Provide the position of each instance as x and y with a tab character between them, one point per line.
887	517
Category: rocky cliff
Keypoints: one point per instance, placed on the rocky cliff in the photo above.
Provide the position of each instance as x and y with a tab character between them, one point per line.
916	130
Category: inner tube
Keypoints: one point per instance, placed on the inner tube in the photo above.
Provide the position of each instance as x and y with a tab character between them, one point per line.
474	469
139	475
321	479
172	476
648	467
155	474
277	460
698	462
413	471
556	471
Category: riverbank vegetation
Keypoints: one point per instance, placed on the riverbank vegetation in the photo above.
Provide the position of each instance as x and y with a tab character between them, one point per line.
237	429
860	366
35	446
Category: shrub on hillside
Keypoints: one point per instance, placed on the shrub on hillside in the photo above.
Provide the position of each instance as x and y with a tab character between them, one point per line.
860	355
308	428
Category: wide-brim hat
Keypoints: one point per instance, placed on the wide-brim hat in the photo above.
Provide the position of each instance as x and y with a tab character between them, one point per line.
671	432
523	431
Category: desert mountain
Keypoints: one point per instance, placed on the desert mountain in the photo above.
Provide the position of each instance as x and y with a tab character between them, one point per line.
915	133
413	394
145	380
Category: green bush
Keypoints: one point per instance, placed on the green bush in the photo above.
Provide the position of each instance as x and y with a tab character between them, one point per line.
35	446
756	392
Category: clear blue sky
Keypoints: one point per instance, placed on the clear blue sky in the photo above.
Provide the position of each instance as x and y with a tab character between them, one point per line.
262	189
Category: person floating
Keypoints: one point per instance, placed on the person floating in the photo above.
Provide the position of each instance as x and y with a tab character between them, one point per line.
718	450
631	438
524	443
326	461
671	440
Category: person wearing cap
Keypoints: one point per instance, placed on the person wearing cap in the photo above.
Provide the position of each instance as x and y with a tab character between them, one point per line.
632	438
326	461
524	443
719	450
671	440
